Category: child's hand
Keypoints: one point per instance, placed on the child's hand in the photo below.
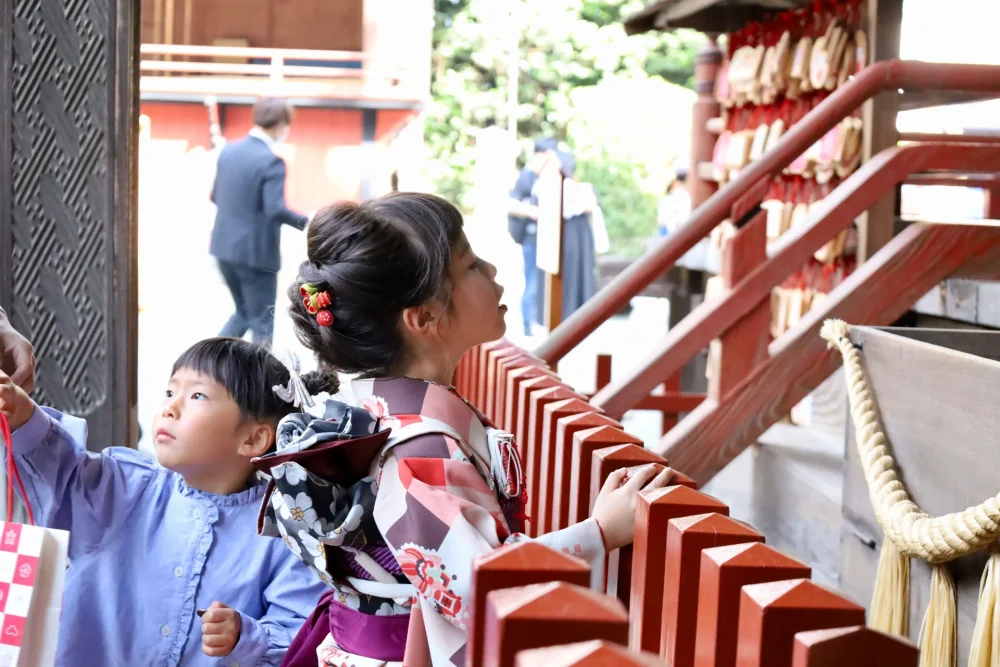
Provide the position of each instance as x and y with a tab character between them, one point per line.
220	630
614	510
15	404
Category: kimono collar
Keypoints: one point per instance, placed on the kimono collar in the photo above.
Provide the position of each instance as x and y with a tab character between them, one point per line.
410	396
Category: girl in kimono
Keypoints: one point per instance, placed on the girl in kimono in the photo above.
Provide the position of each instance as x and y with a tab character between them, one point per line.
393	294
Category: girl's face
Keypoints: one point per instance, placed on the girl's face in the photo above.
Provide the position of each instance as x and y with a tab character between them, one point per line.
475	314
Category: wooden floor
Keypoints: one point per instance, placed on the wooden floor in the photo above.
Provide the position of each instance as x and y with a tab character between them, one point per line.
790	486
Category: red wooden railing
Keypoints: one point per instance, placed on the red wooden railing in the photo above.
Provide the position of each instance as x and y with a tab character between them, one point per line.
760	380
878	77
697	587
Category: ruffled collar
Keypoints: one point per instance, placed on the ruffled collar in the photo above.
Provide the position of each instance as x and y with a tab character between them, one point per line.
248	496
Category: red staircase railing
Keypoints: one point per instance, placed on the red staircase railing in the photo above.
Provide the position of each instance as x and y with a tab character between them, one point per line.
878	77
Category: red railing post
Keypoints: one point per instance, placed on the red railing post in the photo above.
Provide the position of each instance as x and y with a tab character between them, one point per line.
505	369
512	418
552	414
772	614
744	345
567	460
548	615
686	539
585	445
653	513
586	654
518	565
852	646
724	572
532	458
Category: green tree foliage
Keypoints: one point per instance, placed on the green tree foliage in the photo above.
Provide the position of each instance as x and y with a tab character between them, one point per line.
613	99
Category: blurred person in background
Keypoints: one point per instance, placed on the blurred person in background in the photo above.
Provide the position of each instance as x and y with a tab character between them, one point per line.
522	223
674	209
249	193
583	222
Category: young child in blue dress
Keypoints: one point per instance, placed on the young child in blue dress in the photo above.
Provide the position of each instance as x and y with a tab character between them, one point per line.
166	565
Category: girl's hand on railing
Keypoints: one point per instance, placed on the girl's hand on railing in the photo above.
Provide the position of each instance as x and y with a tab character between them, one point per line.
614	509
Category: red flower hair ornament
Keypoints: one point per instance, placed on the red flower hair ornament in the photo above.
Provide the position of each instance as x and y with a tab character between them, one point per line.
317	303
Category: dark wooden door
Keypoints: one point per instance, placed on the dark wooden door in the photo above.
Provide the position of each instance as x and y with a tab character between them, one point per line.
68	133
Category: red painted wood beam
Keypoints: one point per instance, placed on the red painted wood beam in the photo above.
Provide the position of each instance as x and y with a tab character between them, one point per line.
879	292
712	318
880	76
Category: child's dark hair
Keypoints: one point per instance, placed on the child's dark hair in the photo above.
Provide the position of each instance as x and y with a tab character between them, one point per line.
249	372
374	260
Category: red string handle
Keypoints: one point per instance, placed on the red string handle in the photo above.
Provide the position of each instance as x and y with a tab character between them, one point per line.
12	474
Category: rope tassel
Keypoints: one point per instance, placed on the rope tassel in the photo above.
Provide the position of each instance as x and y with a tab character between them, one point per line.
912	533
890	608
986	637
939	632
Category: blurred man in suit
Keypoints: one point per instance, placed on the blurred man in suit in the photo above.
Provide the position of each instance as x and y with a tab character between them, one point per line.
249	194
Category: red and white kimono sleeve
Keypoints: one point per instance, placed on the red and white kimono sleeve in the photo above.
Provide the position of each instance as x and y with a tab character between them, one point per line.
438	514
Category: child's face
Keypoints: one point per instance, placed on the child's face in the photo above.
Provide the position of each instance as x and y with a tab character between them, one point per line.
200	433
476	315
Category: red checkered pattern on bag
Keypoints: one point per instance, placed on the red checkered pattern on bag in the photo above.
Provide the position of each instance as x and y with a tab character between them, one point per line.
20	549
11	537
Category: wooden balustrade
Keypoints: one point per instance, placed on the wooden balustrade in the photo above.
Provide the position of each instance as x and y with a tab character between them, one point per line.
696	589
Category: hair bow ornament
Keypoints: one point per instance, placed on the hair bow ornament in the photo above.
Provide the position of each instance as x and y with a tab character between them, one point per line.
295	392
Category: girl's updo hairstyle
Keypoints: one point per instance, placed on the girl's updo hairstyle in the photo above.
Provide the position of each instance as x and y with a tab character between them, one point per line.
374	260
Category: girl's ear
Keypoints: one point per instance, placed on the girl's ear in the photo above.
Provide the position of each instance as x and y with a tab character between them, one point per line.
258	440
421	321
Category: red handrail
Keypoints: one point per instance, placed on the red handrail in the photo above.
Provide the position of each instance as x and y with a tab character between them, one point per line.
841	207
880	76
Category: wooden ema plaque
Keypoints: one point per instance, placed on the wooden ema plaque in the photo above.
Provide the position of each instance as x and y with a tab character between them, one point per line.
772	614
724	573
852	646
586	654
656	564
585	444
566	429
507	368
550	416
478	396
531	457
546	615
518	565
496	378
514	381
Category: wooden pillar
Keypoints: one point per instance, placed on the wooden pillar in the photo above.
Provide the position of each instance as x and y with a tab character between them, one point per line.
884	19
744	346
550	242
706	68
69	129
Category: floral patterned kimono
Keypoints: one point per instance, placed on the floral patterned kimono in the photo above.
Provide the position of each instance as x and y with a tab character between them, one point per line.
445	488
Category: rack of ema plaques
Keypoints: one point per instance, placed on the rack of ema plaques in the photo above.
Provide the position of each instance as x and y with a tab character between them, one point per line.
697	587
